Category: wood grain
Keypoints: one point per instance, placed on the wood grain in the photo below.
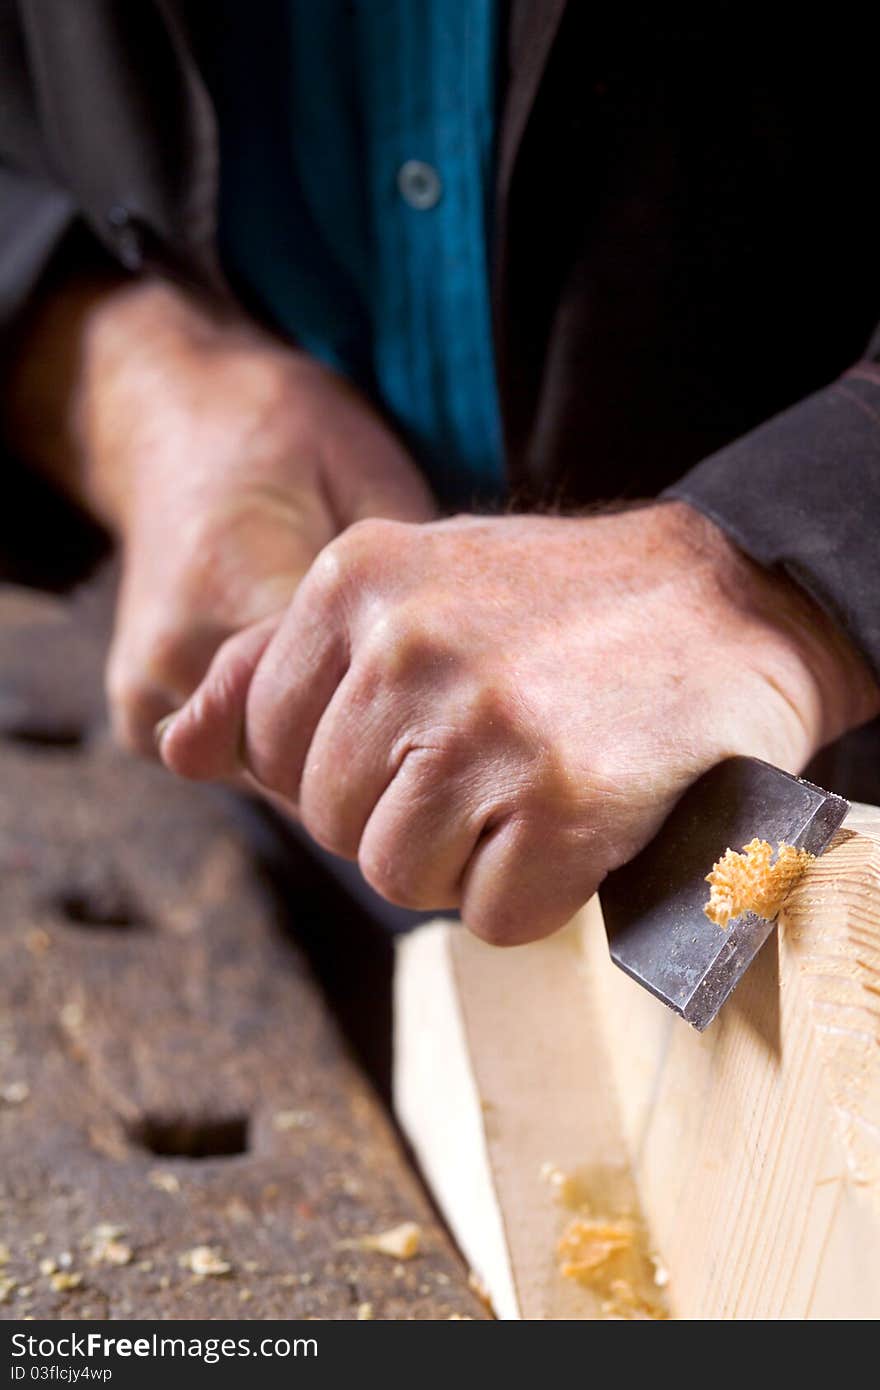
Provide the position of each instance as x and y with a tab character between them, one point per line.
752	1151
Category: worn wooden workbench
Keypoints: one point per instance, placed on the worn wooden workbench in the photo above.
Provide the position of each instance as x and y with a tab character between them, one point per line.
170	1075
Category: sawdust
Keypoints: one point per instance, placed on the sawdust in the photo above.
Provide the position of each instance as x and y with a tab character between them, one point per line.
753	881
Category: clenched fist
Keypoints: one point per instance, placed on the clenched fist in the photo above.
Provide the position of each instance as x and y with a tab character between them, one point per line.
493	714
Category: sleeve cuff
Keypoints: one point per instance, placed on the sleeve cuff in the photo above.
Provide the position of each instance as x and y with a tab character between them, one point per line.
802	493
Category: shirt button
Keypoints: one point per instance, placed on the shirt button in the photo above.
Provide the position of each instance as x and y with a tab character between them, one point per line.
419	184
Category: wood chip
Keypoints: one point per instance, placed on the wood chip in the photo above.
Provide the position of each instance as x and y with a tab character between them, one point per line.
587	1244
166	1182
65	1280
205	1261
401	1242
106	1246
365	1312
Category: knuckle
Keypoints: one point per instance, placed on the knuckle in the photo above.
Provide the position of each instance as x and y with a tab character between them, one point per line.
494	922
326	828
271	771
356	552
491	714
382	867
405	644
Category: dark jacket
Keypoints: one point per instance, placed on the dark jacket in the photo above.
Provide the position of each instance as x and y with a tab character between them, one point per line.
686	244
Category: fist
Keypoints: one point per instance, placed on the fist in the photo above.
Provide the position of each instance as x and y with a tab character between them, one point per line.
225	461
492	714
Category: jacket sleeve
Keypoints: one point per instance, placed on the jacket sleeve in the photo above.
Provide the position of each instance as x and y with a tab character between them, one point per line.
802	493
35	219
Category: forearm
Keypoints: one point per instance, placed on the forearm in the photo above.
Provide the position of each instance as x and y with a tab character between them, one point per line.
69	395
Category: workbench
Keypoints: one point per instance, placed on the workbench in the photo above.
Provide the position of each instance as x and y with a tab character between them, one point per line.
184	1129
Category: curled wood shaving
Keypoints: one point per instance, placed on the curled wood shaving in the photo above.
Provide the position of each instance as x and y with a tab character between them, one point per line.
753	881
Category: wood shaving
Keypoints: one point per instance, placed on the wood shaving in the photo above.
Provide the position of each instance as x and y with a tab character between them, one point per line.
365	1312
205	1261
65	1280
586	1244
625	1305
5	1255
401	1242
15	1092
605	1249
6	1287
752	881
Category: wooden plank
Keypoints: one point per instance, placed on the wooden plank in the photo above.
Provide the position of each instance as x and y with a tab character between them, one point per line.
750	1154
167	1064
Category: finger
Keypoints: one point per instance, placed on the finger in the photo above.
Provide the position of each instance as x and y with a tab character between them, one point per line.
203	740
423	831
523	882
350	761
300	668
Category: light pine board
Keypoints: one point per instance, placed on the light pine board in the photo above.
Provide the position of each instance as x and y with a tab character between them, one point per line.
752	1151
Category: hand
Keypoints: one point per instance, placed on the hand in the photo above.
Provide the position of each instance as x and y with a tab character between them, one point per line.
492	714
226	462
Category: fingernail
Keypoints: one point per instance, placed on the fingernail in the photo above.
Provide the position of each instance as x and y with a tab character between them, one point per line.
162	727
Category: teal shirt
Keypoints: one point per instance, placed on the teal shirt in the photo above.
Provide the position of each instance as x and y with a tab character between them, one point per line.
357	142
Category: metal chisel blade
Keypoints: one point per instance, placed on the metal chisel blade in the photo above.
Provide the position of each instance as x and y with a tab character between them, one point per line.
653	906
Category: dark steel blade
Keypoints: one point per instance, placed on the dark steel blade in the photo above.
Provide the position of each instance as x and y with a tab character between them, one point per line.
653	906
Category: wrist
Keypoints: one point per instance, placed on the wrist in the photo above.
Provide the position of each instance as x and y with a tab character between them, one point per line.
800	650
161	375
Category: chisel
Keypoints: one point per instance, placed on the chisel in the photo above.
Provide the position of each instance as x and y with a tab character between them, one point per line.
653	906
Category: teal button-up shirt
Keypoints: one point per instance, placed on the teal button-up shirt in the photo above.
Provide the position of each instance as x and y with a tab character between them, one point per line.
356	174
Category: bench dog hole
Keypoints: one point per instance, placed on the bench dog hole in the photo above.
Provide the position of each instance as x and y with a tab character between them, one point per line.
45	736
182	1136
102	907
